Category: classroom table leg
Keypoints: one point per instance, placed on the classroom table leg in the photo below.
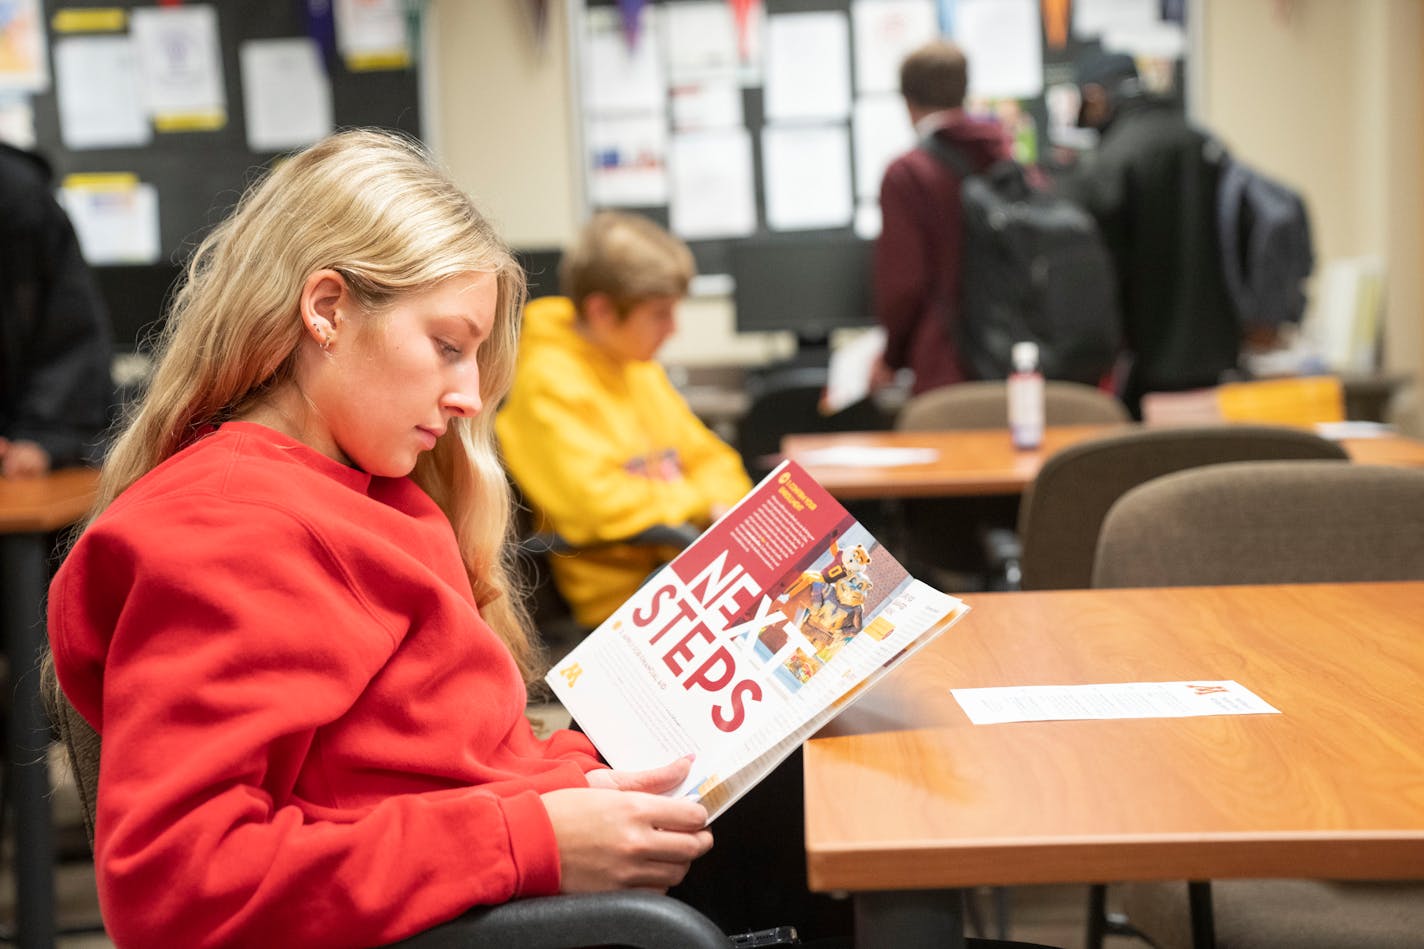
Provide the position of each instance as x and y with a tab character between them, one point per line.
899	918
22	559
1203	919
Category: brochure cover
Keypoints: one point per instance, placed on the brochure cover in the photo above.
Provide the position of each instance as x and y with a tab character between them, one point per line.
751	640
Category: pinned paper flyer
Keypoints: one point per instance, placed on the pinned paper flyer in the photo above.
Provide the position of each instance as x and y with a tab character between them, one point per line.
181	65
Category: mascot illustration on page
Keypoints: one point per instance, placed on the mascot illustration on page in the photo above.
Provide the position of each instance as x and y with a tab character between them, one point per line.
835	611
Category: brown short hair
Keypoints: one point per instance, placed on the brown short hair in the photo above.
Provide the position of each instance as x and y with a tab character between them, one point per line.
935	76
628	257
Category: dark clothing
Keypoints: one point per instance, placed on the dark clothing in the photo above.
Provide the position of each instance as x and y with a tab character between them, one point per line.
1152	187
917	254
55	386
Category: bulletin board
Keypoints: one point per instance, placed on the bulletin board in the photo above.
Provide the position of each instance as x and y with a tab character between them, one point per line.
194	161
772	133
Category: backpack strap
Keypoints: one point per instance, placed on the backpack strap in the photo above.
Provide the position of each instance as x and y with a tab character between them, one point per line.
948	154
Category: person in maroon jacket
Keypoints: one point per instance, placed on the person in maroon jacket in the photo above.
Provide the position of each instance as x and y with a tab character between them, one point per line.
291	618
917	254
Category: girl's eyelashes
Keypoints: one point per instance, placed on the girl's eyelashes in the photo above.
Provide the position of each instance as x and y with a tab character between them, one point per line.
449	350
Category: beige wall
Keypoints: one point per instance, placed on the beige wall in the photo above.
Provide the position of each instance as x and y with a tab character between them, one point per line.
1326	94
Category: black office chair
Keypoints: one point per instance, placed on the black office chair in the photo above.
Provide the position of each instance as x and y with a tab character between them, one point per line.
788	401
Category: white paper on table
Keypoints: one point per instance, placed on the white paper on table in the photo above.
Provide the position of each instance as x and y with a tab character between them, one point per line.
115	225
617	79
712	194
1047	703
372	33
866	456
1003	40
884	33
807	66
848	373
1092	17
286	92
706	104
628	161
701	41
181	64
881	132
97	93
806	173
1353	428
23	64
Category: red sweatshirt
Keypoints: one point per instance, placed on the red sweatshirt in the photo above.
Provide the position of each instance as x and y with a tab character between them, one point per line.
310	736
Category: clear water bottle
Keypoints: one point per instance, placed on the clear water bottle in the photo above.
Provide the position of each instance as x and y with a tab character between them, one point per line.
1025	397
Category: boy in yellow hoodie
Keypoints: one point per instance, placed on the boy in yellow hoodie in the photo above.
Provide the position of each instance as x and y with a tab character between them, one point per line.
593	432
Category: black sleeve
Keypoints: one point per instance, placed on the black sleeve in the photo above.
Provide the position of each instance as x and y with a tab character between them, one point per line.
65	395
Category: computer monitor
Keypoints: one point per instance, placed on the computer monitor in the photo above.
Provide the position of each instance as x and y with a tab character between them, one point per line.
135	295
809	286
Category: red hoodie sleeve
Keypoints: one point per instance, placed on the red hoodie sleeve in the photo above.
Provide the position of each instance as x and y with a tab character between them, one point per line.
217	677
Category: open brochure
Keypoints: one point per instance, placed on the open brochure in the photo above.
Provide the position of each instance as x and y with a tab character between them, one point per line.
755	637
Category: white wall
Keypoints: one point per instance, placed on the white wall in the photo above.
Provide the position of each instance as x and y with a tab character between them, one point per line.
1326	94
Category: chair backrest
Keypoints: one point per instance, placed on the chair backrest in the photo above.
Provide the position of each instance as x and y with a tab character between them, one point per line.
986	405
787	402
1063	509
80	740
1266	522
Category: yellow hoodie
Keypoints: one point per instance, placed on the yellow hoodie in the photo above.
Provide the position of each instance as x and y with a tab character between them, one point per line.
603	449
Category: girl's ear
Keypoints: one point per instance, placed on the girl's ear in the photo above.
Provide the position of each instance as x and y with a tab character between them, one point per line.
322	306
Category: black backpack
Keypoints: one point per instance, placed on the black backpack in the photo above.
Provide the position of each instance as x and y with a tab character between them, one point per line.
1033	266
1266	250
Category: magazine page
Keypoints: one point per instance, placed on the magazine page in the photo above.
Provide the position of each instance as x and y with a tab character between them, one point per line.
748	641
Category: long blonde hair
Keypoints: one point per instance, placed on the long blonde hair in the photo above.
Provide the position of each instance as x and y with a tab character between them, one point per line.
374	207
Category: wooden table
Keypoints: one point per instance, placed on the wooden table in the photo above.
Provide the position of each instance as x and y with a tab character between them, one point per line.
1333	787
980	462
29	510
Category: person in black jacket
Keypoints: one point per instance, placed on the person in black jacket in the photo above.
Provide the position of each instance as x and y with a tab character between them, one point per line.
1152	185
55	384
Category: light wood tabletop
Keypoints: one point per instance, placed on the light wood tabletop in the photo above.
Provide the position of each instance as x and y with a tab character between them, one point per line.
983	461
32	505
1332	787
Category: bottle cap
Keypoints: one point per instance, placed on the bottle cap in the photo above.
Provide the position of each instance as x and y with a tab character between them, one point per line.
1024	356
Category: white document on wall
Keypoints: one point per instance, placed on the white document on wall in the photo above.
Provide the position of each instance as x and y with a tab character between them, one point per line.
372	34
701	41
618	79
181	64
807	66
806	172
97	92
286	92
713	192
1047	703
881	132
17	120
1003	40
628	156
116	224
885	32
706	104
1093	17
